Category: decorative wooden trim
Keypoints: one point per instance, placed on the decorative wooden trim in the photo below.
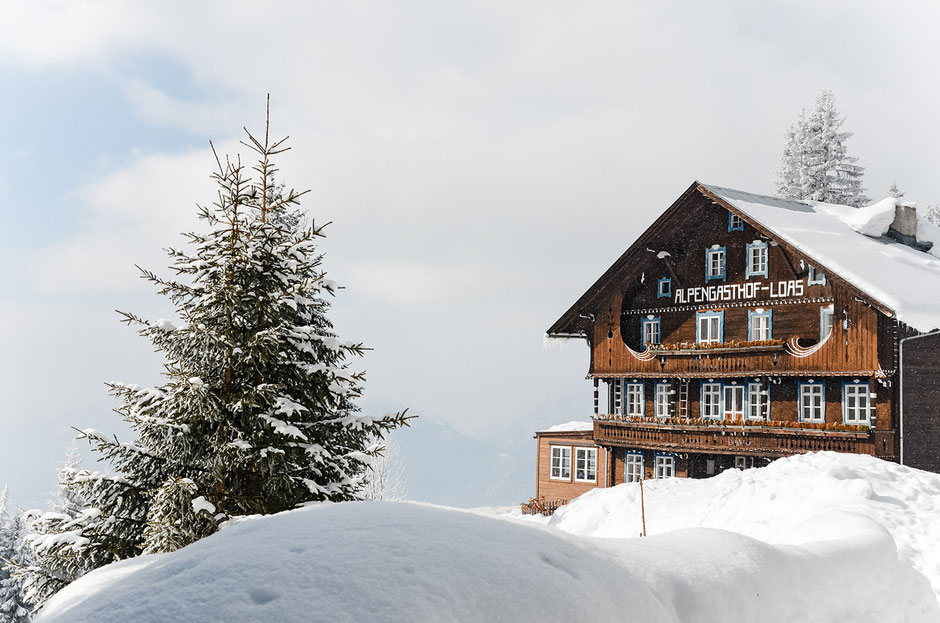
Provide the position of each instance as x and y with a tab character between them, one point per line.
724	305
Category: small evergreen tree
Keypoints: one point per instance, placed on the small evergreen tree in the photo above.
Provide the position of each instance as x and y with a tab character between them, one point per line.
14	607
258	412
815	162
894	191
57	538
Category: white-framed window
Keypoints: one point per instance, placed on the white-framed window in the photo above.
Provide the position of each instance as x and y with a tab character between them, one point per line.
615	393
760	324
650	329
825	321
815	277
635	399
735	222
757	262
585	464
633	467
812	402
715	263
561	463
663	400
734	402
709	327
758	402
744	462
856	404
665	466
711	400
664	289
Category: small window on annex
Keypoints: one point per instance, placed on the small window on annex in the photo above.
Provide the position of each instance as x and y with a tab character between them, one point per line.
735	222
561	462
585	464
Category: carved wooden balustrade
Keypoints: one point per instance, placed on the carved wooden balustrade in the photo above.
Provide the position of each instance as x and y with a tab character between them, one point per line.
729	438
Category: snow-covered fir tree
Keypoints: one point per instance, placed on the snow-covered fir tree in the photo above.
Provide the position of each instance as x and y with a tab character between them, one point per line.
933	214
257	414
894	191
56	537
815	162
793	176
14	554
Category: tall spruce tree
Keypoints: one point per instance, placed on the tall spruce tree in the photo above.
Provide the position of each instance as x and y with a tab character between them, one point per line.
14	554
815	162
257	414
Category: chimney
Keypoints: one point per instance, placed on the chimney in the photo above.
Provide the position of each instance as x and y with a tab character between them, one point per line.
904	227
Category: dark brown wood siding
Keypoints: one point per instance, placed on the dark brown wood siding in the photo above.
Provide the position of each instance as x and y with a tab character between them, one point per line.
920	401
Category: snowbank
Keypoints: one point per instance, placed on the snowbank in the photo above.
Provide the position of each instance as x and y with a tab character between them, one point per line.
804	500
373	561
568	427
872	220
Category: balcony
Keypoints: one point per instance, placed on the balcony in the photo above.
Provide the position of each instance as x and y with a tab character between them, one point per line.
728	438
728	348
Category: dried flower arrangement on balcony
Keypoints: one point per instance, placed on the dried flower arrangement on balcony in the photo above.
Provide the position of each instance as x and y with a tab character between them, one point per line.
672	421
714	346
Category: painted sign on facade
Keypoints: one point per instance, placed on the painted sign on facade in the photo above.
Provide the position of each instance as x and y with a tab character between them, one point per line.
737	291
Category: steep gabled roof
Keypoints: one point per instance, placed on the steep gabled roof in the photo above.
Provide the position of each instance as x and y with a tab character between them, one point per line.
900	279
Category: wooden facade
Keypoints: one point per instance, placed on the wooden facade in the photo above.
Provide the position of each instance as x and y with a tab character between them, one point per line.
562	487
709	302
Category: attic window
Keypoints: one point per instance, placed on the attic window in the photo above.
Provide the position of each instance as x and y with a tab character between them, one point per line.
735	222
756	259
665	288
815	277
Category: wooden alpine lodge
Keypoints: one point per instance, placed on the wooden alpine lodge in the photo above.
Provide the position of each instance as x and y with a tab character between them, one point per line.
741	328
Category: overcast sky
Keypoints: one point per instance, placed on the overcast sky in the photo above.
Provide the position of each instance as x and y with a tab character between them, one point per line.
482	163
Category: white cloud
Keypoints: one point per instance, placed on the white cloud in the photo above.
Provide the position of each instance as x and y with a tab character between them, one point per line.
483	162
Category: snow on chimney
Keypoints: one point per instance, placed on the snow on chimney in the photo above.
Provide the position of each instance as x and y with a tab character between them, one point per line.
904	226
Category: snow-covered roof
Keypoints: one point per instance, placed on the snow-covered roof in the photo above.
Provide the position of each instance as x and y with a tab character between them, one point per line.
570	427
851	242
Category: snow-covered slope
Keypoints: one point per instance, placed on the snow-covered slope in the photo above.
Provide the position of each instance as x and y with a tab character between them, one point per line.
796	501
373	561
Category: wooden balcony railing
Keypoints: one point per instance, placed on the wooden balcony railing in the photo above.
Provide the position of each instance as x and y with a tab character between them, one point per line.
730	439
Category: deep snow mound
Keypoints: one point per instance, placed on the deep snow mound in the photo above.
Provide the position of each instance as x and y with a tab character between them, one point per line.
374	561
796	500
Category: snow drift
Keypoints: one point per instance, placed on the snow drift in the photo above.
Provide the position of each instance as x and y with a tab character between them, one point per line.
374	561
804	500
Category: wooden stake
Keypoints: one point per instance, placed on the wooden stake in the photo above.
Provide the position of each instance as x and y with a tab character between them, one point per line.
642	507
